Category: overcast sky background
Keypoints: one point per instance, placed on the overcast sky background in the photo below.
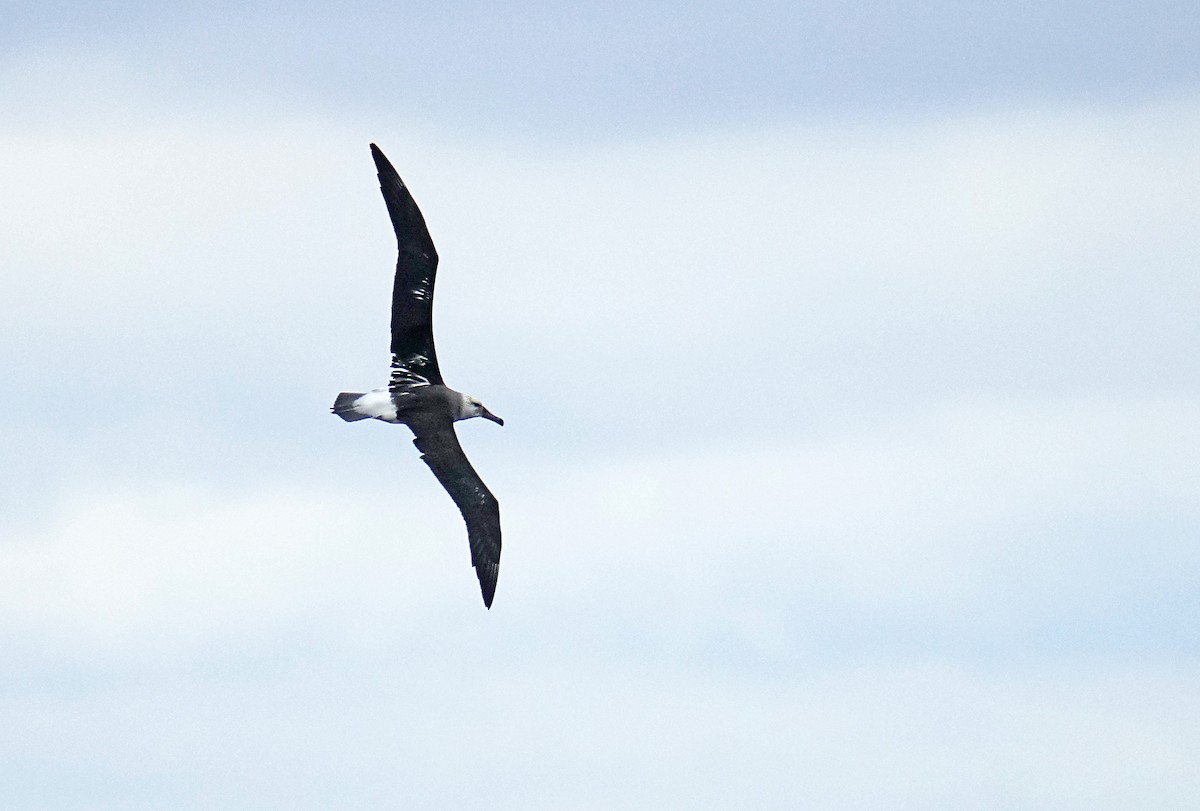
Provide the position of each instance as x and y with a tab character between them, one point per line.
848	355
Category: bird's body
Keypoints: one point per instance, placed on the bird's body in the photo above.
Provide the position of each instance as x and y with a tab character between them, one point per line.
415	395
402	406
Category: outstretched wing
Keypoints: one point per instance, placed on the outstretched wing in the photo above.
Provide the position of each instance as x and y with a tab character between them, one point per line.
414	359
440	450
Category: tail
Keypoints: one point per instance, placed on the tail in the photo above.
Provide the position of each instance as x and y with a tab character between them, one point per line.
343	406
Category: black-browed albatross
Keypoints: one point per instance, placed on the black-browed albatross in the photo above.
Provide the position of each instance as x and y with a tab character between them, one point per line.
415	395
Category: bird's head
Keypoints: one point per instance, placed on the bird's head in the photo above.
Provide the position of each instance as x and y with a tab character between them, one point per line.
473	408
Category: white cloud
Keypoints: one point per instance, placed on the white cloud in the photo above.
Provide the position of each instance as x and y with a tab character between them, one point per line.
968	521
171	568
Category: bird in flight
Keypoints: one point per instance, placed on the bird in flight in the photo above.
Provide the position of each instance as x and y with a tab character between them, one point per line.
415	395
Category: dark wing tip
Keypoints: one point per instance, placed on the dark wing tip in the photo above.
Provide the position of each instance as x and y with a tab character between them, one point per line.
382	164
487	572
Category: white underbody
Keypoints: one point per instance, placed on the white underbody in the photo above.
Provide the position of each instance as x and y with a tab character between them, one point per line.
377	403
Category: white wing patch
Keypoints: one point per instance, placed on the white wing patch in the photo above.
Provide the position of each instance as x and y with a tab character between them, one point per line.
404	377
422	292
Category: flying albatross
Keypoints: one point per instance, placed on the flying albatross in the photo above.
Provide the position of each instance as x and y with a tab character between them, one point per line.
415	395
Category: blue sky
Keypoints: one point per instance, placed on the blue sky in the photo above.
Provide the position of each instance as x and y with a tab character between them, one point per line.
847	356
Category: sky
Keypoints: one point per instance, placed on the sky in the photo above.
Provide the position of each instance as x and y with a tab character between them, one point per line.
847	359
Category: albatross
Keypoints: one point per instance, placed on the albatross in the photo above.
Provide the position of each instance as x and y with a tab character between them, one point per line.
415	394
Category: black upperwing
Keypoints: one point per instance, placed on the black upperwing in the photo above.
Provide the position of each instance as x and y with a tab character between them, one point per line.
414	358
440	450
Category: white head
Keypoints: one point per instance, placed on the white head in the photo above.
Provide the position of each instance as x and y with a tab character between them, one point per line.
473	408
